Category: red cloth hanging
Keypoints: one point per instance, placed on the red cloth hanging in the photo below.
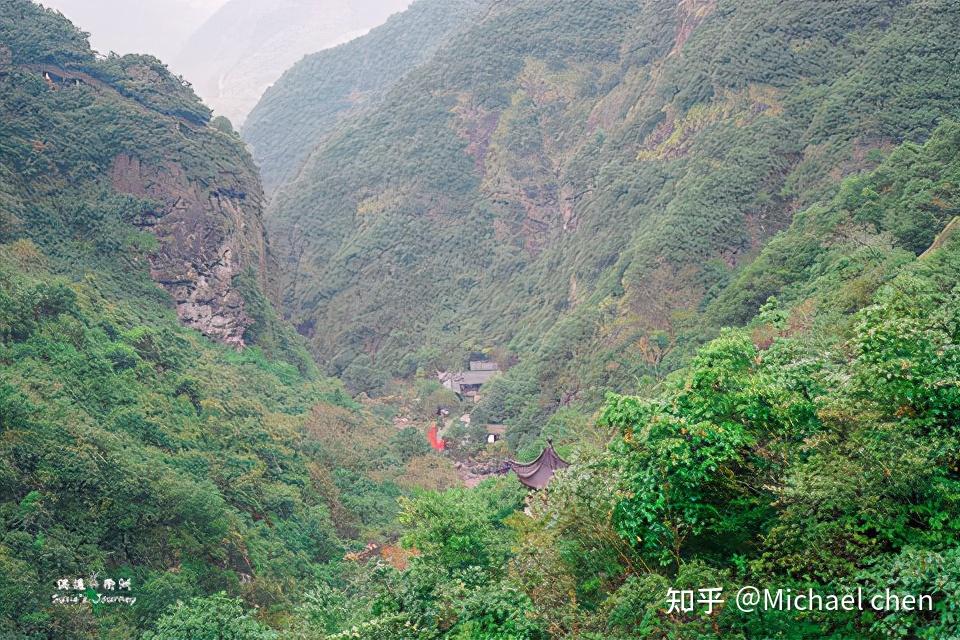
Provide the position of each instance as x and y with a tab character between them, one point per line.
435	440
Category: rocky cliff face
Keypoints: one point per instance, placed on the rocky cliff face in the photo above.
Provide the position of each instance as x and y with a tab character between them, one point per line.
208	235
103	152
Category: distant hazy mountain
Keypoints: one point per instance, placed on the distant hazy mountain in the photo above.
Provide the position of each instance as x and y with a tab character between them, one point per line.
314	95
157	27
246	45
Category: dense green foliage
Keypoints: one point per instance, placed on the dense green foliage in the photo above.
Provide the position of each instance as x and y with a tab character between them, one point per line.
586	192
307	103
213	618
572	184
131	447
146	80
34	35
795	466
814	448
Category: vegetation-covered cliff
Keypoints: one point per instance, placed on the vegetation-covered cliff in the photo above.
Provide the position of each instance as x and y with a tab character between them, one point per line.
132	446
138	148
813	450
564	182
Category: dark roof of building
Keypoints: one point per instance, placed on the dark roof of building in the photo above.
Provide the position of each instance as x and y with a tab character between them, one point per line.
537	474
474	377
456	380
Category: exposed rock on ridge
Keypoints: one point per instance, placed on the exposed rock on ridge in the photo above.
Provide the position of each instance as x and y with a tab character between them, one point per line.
207	234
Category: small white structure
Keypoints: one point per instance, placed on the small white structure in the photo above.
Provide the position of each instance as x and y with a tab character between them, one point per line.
495	432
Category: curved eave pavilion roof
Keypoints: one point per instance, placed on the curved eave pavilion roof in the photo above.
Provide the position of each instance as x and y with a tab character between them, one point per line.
537	474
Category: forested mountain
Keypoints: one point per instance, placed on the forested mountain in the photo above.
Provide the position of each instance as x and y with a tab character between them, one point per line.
316	94
132	446
566	181
714	245
247	44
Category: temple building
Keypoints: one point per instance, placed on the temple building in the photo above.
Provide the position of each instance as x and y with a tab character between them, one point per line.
467	384
536	474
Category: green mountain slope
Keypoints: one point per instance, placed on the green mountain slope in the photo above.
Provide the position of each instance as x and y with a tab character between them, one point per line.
814	450
817	448
312	97
587	191
131	445
123	131
565	180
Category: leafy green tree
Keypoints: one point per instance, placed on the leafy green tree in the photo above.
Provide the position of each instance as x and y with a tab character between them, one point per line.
692	460
409	443
454	531
495	611
216	617
362	377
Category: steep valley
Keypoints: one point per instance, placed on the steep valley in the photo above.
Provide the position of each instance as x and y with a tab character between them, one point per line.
551	313
578	187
